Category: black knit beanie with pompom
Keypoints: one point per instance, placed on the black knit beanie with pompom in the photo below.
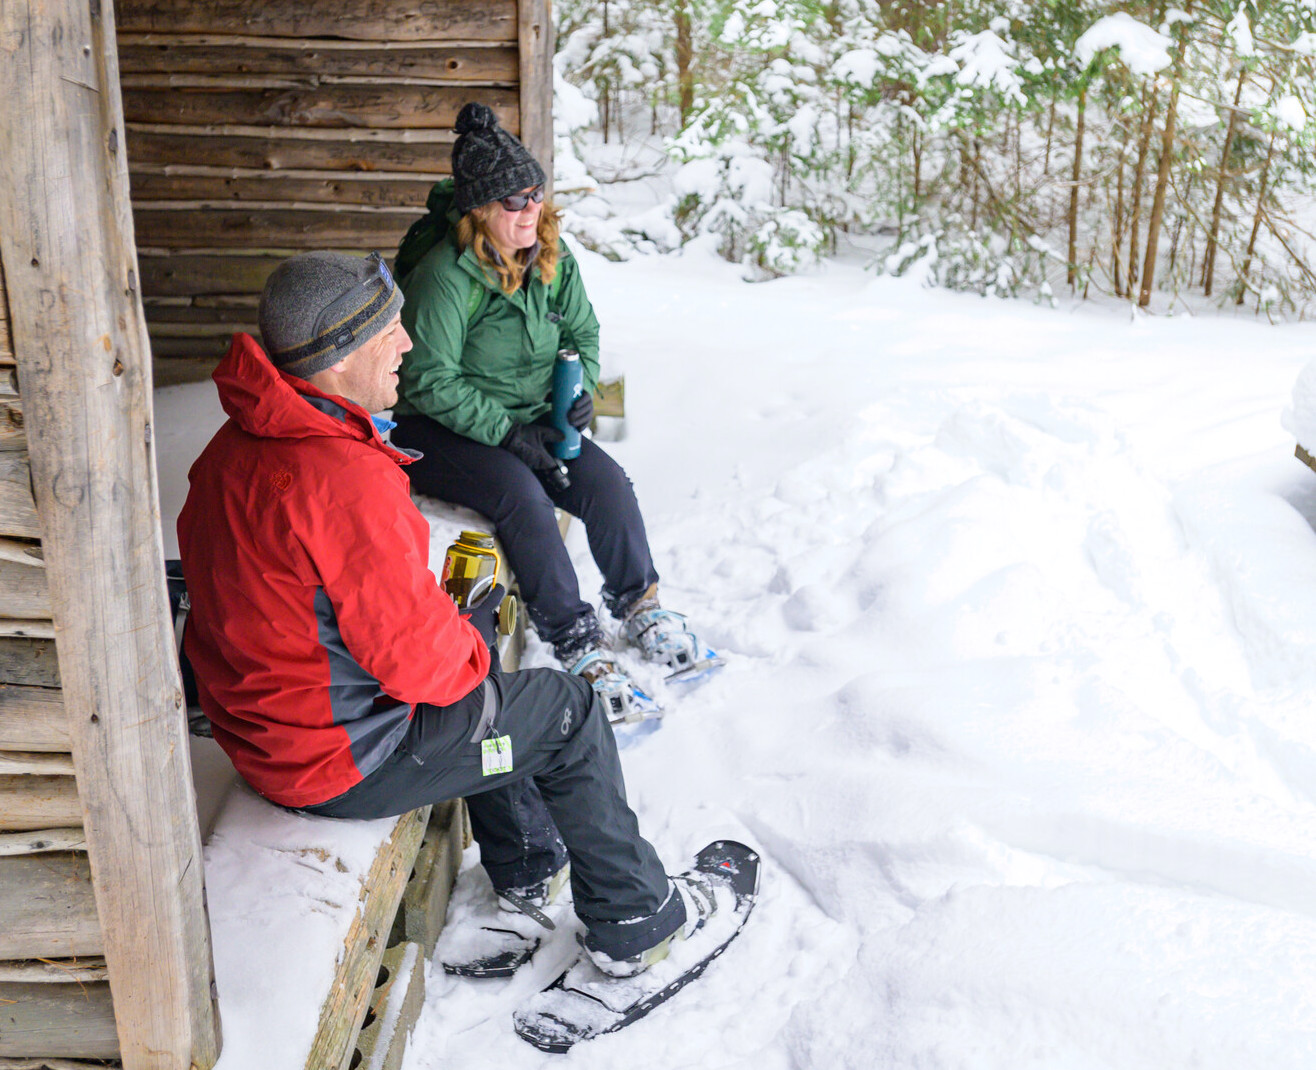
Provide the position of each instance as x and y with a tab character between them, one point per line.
488	163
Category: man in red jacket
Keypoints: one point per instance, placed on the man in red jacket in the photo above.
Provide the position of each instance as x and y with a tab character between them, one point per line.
337	673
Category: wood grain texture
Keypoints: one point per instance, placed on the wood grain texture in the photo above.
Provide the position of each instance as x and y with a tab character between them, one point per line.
38	802
13	762
31	662
24	592
33	718
80	344
72	1020
360	20
48	906
535	38
362	230
18	508
55	971
363	950
208	54
383	106
306	187
40	841
287	148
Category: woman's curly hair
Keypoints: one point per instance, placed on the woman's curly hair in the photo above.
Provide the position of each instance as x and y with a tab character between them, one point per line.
502	263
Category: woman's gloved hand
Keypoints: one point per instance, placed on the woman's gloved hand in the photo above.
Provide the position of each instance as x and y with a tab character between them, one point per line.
581	412
529	443
484	614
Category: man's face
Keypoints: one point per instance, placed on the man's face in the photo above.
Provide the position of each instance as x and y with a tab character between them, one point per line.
369	374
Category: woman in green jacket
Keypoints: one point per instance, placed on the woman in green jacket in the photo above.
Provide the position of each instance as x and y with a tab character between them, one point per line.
488	307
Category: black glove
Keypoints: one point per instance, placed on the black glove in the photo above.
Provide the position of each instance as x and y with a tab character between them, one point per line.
484	615
581	412
529	444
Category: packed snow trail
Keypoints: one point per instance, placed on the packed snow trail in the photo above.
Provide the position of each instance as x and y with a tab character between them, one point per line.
1018	617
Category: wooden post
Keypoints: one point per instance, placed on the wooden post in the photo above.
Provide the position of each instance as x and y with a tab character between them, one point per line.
80	343
534	20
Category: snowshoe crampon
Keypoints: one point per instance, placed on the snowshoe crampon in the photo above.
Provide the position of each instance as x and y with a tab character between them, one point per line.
625	702
584	1002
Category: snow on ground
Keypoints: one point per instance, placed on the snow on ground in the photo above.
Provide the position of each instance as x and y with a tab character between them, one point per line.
1019	607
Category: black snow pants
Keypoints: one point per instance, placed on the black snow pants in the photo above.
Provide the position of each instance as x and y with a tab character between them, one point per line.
497	485
563	798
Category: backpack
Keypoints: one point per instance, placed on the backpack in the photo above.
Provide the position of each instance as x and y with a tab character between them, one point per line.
430	229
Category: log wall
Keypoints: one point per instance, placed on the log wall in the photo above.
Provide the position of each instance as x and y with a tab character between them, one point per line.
255	131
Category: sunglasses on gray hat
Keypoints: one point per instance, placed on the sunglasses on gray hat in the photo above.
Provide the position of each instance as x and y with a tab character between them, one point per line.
335	320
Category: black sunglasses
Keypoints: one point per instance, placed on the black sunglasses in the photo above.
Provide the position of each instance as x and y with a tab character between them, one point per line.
517	201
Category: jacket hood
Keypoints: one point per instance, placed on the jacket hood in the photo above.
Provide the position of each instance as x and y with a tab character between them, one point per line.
269	403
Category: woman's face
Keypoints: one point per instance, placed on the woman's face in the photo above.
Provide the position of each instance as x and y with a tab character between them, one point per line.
516	230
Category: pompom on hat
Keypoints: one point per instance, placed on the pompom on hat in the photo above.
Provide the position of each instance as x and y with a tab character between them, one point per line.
488	163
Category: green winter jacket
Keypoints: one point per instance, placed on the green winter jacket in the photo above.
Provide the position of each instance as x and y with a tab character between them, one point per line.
478	365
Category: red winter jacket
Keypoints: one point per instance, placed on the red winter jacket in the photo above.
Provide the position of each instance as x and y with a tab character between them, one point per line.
316	623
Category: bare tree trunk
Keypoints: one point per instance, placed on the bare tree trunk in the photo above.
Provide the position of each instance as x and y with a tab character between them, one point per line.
1117	226
1139	173
1208	265
1050	125
1071	272
685	53
1162	174
1256	219
918	165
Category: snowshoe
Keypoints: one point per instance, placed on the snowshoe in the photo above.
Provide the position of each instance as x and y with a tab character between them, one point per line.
625	702
584	1002
664	637
499	949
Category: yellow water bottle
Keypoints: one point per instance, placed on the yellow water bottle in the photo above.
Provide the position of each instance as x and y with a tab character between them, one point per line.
470	571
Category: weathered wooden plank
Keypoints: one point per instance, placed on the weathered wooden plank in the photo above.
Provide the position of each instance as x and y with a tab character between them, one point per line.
358	20
425	901
282	148
332	188
363	229
535	37
11	425
24	592
211	54
376	106
33	718
27	629
48	906
213	310
6	342
395	1005
55	970
18	508
56	1064
38	802
381	891
1305	457
79	336
176	370
13	762
73	1020
31	662
8	382
40	841
188	274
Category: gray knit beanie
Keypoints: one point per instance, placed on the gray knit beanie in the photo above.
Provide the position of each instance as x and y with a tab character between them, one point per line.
488	163
318	307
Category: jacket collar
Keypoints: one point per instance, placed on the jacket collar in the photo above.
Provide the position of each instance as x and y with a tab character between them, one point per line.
270	403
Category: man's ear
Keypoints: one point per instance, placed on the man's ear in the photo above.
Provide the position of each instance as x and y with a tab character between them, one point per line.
340	367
